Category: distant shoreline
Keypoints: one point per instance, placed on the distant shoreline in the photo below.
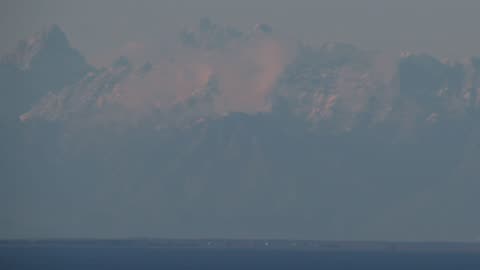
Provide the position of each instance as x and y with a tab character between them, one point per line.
257	244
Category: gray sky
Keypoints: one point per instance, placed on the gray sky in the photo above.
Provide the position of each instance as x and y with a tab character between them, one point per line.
443	27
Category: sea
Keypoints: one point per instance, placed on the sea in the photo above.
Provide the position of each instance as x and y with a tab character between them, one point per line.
211	255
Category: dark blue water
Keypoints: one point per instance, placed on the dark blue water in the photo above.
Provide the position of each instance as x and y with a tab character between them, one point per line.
101	258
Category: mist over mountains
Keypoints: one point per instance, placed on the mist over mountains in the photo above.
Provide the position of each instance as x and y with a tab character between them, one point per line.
238	134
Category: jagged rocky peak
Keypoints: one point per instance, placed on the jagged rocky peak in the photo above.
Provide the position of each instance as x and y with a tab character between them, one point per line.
48	60
208	35
42	63
314	75
55	37
51	40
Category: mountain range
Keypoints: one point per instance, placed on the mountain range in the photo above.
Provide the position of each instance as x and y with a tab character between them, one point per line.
239	134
